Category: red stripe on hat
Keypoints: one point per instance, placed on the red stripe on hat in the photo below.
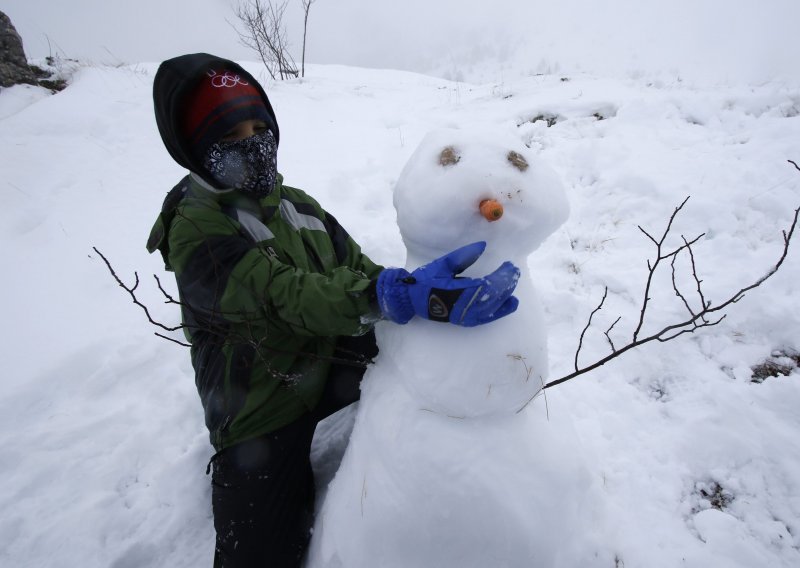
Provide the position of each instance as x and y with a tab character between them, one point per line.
219	113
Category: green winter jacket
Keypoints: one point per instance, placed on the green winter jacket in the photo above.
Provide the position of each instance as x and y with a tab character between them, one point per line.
266	286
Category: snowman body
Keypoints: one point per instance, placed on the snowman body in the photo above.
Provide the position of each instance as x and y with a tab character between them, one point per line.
453	460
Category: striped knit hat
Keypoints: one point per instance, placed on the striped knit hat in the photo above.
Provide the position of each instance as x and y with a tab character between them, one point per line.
220	100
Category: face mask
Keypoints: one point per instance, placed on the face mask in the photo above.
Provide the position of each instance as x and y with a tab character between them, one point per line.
249	165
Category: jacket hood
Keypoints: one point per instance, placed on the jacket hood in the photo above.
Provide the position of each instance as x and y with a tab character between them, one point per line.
176	78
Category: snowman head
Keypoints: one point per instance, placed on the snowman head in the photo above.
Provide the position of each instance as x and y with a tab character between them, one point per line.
439	194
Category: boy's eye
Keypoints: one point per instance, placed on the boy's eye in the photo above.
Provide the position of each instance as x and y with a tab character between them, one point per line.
244	130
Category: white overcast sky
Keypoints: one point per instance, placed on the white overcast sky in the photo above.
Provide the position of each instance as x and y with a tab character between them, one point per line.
699	37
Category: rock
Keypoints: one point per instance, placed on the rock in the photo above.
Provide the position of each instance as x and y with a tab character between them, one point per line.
14	68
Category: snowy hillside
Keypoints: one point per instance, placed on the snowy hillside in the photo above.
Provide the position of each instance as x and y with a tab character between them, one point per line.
104	444
469	40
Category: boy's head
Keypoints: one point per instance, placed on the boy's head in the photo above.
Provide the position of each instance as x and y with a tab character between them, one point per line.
203	104
219	103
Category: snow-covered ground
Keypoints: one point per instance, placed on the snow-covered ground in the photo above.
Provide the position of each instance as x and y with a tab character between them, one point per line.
104	448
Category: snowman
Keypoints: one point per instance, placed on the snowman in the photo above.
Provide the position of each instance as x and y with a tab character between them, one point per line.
453	460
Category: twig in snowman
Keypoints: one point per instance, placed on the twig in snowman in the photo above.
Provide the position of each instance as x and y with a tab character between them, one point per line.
698	317
442	414
521	359
535	395
363	494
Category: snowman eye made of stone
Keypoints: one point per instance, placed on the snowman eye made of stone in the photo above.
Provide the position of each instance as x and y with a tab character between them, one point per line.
449	157
517	160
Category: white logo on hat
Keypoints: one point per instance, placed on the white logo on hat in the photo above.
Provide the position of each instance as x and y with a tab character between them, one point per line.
227	79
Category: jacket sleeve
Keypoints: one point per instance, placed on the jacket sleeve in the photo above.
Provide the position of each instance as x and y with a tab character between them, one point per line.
224	277
348	253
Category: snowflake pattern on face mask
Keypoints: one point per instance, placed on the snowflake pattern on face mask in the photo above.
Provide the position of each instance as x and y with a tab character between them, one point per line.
249	165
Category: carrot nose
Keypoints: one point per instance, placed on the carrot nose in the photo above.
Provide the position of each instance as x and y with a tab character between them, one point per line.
491	209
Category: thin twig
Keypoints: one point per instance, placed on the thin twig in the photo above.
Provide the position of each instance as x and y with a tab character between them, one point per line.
181	343
697	280
544	394
608	331
131	291
677	290
652	268
588	324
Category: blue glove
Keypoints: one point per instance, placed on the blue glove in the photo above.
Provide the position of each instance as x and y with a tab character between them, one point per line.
434	292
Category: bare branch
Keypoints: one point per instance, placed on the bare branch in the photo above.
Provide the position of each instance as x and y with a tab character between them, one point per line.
264	31
306	7
677	290
131	290
169	298
181	343
652	267
608	331
697	280
698	319
205	320
705	323
648	235
588	324
686	246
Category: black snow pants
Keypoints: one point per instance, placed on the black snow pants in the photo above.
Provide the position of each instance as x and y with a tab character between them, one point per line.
263	489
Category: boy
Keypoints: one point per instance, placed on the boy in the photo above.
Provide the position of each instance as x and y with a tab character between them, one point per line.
278	303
